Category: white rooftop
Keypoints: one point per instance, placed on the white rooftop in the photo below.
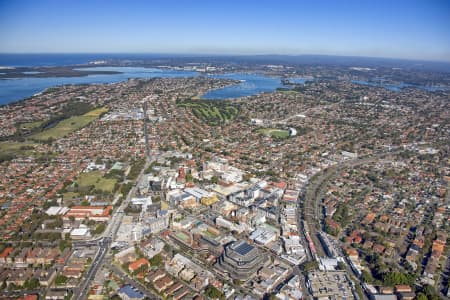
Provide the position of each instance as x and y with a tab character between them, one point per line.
80	232
56	210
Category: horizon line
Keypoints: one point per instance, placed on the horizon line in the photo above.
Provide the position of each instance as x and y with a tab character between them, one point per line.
199	54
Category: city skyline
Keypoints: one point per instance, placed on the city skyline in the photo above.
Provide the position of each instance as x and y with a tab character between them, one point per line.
404	29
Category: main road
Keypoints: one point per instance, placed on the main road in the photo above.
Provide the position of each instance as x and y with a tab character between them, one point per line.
315	190
81	291
134	283
104	241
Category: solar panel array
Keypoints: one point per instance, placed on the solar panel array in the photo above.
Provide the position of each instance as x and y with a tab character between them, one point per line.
243	249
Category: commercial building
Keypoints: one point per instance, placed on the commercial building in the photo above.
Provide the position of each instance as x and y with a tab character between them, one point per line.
263	236
329	285
182	267
95	213
242	260
56	210
80	233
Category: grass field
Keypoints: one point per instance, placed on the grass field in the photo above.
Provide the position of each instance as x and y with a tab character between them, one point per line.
182	236
211	112
70	195
278	133
30	125
14	149
209	234
69	125
288	92
96	179
9	146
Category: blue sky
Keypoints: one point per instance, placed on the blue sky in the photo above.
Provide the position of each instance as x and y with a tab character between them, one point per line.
412	29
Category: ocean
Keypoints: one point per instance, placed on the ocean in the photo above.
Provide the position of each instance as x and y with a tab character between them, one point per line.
12	90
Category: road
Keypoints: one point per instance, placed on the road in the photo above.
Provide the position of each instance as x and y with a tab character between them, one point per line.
315	189
312	209
134	283
295	271
444	278
81	291
5	294
104	241
115	222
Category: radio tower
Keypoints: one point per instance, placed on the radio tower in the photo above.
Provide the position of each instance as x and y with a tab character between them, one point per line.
147	145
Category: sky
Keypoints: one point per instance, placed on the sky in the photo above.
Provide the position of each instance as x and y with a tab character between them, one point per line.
410	29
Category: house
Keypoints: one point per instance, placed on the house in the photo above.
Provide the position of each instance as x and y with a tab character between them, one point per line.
50	255
5	254
407	296
18	276
28	297
21	258
181	294
163	283
153	276
134	266
72	273
62	259
379	248
73	270
173	289
32	256
384	297
45	277
403	289
386	290
352	253
55	295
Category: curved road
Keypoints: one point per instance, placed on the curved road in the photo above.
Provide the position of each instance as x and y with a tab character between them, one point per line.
312	208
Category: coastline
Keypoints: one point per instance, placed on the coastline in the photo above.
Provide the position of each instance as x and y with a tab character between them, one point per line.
47	72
